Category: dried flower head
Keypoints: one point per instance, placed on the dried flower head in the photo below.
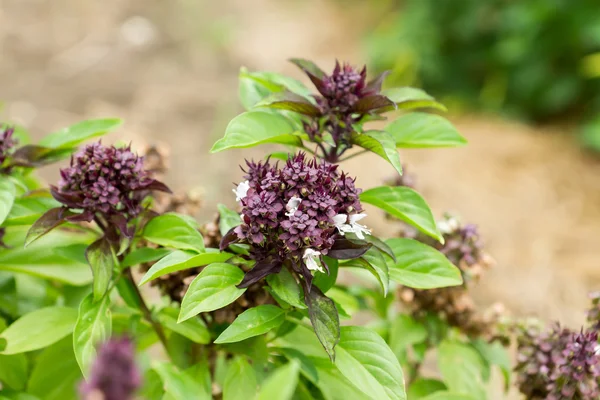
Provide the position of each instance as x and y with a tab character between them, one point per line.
106	180
114	375
7	143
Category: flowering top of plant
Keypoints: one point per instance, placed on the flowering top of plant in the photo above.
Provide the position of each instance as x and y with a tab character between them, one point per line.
105	180
297	213
114	375
7	143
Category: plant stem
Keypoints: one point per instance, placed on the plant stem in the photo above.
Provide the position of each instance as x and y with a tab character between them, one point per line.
358	153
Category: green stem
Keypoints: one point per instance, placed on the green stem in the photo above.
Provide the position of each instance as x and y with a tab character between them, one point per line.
358	153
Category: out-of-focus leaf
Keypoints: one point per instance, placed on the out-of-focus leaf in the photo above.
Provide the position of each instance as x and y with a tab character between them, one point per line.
253	322
94	326
78	133
422	130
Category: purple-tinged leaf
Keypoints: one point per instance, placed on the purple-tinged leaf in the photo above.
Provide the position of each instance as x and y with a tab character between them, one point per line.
36	156
372	103
158	186
85	216
68	199
228	239
374	86
345	249
291	102
260	270
50	220
101	257
309	67
324	318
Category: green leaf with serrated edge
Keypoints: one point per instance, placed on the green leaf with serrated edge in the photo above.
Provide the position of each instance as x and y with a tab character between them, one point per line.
214	288
240	380
406	204
257	127
38	329
252	322
56	374
408	98
307	366
143	255
179	384
193	328
13	371
420	266
326	281
422	387
281	384
26	210
94	326
366	360
422	130
450	396
78	133
495	354
180	260
290	101
7	198
380	143
286	288
467	379
171	230
227	219
333	385
405	331
373	261
324	318
102	259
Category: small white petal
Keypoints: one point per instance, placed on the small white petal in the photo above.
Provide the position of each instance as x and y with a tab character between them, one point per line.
340	219
241	190
356	217
292	206
311	258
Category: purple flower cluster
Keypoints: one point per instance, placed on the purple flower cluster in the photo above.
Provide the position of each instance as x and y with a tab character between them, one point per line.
343	88
7	143
114	375
106	180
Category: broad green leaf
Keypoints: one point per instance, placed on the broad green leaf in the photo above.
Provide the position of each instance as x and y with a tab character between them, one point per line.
255	86
56	373
103	261
143	255
422	387
451	396
307	367
94	326
193	328
325	281
406	204
7	198
420	266
253	322
227	219
290	101
281	384
240	381
422	130
325	319
179	384
257	127
495	354
13	371
333	384
285	286
39	329
180	260
76	134
380	143
404	332
408	98
344	300
374	262
304	340
366	360
375	241
171	230
214	288
461	367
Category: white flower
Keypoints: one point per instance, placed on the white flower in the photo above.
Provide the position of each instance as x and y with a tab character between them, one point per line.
347	224
292	206
597	349
340	222
448	225
311	259
241	190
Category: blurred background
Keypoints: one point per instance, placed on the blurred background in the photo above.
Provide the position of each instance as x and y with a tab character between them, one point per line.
521	80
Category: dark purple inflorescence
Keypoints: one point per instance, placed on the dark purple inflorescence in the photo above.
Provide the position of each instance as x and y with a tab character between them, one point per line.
114	374
106	180
7	143
296	212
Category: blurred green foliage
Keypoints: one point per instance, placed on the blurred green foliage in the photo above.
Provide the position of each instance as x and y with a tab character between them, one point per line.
537	60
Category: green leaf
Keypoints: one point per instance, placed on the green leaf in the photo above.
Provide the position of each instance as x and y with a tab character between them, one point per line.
449	396
307	367
304	340
255	86
461	368
26	210
308	66
404	332
408	98
380	143
366	360
290	101
325	281
76	134
170	230
50	220
253	322
214	288
178	384
227	219
56	373
7	198
13	371
94	326
103	261
39	329
180	260
333	384
406	204
375	241
325	319
495	354
281	384
193	328
374	262
420	266
422	387
143	255
240	381
257	127
422	130
285	286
